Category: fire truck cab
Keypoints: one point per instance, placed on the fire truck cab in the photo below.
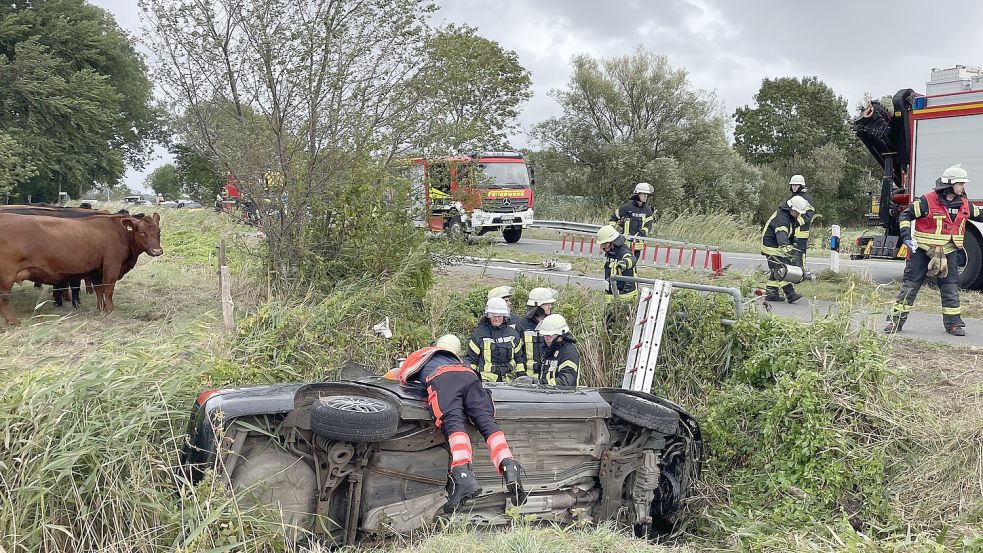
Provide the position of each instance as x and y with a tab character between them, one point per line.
475	194
914	142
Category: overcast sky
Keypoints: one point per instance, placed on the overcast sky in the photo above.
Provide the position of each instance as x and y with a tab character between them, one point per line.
856	47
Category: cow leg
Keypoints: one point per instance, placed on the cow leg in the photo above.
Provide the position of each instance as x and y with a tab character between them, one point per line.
37	284
56	291
88	286
107	294
5	310
76	286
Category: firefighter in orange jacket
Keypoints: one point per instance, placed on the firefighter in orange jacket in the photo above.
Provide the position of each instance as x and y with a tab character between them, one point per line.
454	395
939	221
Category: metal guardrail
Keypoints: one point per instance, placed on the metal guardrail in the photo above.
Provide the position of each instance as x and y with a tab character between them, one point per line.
734	293
571	227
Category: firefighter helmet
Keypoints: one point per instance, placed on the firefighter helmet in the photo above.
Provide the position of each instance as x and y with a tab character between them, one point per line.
644	188
797	179
954	175
449	343
497	306
501	292
606	234
540	296
800	204
553	325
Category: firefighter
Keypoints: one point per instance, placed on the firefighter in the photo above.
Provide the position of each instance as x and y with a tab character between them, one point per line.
505	292
634	218
777	247
797	187
455	394
618	260
560	361
495	347
540	305
939	226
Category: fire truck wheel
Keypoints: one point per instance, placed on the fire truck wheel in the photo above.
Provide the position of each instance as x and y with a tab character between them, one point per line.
512	234
971	273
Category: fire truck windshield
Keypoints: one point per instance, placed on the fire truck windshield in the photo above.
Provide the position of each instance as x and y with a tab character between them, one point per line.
504	175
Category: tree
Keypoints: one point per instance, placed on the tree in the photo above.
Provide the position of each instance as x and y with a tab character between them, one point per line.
14	165
470	90
75	95
801	126
164	181
635	118
196	174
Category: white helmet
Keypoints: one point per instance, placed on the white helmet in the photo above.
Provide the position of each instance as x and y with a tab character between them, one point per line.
553	325
497	306
644	188
449	343
799	204
606	234
955	174
539	296
501	292
797	179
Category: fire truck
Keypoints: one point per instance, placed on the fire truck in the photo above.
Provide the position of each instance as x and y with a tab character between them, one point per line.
915	140
473	194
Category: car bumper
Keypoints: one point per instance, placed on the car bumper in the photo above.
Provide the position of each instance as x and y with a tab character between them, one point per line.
490	220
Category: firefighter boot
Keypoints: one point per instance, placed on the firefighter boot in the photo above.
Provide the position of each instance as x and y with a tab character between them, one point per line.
894	326
461	486
772	294
794	297
513	481
955	330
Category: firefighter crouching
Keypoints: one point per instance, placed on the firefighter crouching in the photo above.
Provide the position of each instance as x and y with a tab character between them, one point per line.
540	304
777	247
454	394
797	187
939	227
618	260
495	347
634	218
560	361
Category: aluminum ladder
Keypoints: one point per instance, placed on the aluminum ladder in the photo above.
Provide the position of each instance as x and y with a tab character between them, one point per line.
646	335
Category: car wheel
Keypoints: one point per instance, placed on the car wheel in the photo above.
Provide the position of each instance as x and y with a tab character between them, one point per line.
179	206
354	419
645	413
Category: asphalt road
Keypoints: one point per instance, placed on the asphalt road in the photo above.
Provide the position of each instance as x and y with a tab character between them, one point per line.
920	326
879	271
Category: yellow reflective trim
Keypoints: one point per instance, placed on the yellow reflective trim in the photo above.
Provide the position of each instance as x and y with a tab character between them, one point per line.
781	229
917	207
976	210
568	364
473	346
769	250
486	353
901	308
952	310
801	233
489	376
905	224
956	107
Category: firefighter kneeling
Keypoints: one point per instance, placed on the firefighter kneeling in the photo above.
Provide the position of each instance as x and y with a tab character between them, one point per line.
940	224
454	394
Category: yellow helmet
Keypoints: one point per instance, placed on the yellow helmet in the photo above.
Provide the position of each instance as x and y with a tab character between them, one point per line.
449	343
606	234
553	325
799	204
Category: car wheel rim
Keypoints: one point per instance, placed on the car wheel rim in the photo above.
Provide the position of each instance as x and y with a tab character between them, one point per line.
356	404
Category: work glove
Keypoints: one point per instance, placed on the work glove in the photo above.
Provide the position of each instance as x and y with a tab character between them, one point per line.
938	266
912	244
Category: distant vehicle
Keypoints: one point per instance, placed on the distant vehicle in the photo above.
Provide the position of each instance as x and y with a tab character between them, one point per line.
142	201
182	203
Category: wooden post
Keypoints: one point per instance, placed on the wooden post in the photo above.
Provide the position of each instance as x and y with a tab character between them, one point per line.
225	288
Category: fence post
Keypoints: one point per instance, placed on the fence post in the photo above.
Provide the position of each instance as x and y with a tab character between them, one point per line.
226	288
834	249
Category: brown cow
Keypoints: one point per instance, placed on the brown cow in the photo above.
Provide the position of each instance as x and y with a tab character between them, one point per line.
52	250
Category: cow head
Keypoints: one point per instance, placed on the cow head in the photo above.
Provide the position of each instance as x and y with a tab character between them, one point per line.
144	233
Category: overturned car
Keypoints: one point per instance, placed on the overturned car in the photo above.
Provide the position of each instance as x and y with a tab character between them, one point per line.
355	459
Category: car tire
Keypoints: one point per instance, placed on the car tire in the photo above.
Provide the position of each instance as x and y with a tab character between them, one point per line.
179	206
647	414
971	275
354	419
512	234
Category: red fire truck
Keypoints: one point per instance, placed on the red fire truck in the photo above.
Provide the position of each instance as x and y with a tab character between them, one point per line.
915	140
475	193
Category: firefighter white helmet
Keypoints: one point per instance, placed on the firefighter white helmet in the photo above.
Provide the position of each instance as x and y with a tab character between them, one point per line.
797	179
800	204
644	188
497	306
540	296
501	292
449	343
606	234
955	174
553	325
